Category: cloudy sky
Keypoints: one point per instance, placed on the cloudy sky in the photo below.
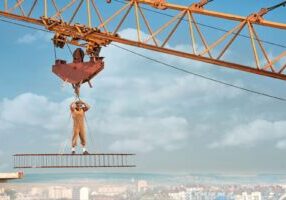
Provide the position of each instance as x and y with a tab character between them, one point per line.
173	121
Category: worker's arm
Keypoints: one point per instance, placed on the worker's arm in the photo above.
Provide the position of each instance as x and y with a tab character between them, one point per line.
72	106
86	107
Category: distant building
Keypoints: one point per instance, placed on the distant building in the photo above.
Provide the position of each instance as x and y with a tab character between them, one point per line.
220	197
84	193
58	192
195	193
2	190
21	196
252	196
75	193
271	195
283	197
178	195
4	197
142	186
256	196
111	190
242	196
36	191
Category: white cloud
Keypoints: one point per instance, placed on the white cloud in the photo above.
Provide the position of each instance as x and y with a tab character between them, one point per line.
3	165
140	107
34	37
35	111
30	110
253	133
281	144
141	134
126	145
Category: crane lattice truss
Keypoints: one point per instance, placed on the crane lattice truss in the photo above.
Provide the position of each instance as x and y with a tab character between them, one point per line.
98	29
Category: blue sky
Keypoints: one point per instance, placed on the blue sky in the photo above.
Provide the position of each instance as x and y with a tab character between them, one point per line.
175	122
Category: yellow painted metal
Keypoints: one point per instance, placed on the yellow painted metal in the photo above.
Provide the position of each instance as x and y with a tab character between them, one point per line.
93	38
114	15
282	69
57	9
64	8
231	41
275	60
99	15
200	34
21	8
81	35
32	8
22	18
76	11
222	38
137	22
192	32
5	4
263	50
15	6
174	29
250	28
162	28
45	8
148	26
88	13
123	19
201	11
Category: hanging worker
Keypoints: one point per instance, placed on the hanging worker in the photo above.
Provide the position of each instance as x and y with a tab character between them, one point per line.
78	109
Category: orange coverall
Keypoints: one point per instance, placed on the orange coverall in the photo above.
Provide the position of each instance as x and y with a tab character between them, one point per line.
78	116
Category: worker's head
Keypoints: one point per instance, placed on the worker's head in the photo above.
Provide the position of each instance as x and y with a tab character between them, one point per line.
78	104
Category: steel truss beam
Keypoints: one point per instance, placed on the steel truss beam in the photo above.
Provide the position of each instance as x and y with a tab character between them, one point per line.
87	34
73	160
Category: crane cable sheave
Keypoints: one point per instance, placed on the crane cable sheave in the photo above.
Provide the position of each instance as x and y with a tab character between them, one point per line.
62	36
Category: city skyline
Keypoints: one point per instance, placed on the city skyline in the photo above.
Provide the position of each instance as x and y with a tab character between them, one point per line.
142	189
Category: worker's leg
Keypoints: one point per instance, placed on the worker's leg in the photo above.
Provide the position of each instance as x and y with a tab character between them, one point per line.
82	135
75	136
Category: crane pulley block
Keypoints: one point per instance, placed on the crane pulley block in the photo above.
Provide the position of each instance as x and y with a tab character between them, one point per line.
59	40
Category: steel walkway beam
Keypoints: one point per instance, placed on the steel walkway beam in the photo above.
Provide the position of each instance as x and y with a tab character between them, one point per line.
101	160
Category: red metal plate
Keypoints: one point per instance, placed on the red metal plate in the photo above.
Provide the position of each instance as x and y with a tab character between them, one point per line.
75	73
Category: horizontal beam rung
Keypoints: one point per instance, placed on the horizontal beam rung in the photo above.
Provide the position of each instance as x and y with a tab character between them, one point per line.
103	160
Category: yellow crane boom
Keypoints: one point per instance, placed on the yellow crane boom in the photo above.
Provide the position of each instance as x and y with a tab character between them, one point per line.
54	17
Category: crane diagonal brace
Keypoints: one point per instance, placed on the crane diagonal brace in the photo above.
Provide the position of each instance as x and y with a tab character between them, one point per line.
86	36
94	37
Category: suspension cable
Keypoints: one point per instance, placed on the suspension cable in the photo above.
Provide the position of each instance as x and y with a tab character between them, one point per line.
90	135
55	52
69	49
201	76
276	6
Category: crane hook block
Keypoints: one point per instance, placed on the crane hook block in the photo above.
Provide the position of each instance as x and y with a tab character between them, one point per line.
78	71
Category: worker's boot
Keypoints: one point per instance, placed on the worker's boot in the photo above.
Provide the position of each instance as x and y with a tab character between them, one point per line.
73	151
85	153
